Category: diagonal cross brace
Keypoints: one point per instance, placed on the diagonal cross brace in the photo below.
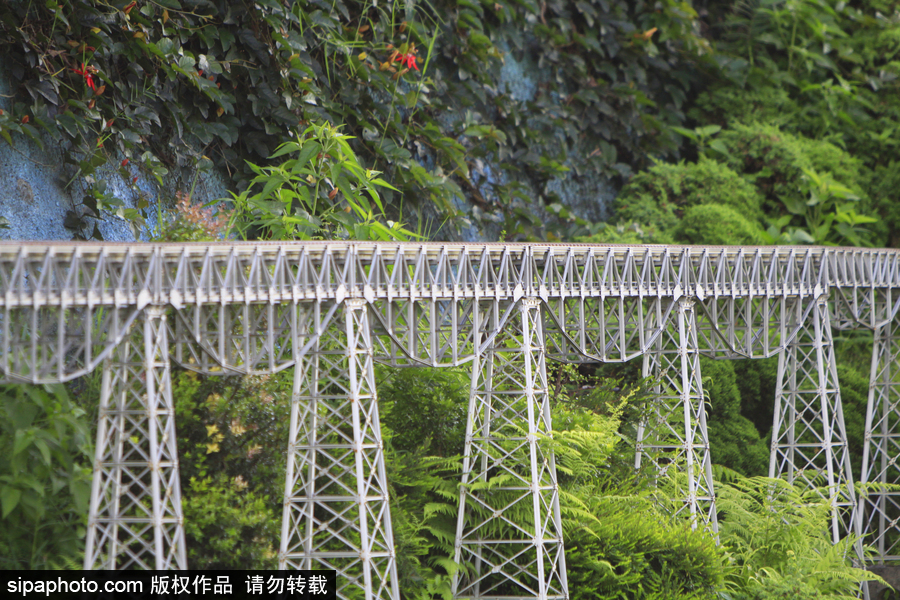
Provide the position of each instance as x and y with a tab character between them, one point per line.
135	517
509	539
809	438
675	433
879	510
336	506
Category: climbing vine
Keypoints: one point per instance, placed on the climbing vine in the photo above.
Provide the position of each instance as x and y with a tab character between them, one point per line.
421	89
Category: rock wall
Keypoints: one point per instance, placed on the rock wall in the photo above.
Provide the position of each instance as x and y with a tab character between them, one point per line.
37	192
39	195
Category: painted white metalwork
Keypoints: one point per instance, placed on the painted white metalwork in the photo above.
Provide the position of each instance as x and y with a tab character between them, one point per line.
336	512
328	309
675	434
509	538
135	515
809	439
879	509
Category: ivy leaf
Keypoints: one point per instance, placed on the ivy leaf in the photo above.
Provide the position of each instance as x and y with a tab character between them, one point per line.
226	38
260	50
44	88
186	62
23	440
165	46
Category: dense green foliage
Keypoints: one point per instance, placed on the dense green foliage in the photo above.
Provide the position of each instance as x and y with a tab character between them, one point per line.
778	548
621	543
716	225
421	87
45	476
629	550
232	437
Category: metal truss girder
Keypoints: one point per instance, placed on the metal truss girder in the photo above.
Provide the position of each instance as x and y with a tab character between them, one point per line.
428	284
880	507
37	274
58	343
738	327
254	339
135	518
861	276
509	531
604	329
674	436
424	332
809	439
336	508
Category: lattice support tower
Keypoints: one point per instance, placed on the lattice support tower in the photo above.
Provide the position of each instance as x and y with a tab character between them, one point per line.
809	439
336	505
880	506
135	518
674	435
509	531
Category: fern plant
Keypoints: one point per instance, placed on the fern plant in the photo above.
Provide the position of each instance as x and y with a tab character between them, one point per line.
777	541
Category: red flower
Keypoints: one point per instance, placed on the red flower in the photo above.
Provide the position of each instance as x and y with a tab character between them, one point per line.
124	162
407	59
86	73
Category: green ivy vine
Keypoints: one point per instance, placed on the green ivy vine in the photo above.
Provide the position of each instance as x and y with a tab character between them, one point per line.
165	84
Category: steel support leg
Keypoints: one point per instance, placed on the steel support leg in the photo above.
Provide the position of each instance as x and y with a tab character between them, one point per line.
880	508
809	440
675	433
336	513
509	531
135	518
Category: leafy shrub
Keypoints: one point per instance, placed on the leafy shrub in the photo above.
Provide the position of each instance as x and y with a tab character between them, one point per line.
661	194
716	225
730	105
425	410
774	160
227	526
814	184
45	476
884	183
630	233
233	435
734	441
320	192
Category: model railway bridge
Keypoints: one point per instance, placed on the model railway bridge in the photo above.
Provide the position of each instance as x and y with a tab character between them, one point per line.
329	311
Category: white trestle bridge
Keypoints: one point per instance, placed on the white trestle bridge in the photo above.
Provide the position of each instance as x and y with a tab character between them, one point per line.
330	310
